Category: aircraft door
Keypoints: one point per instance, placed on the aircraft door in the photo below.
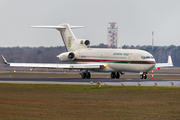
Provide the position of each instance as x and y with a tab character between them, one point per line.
129	57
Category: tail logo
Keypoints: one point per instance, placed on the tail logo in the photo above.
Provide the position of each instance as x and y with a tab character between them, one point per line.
81	41
69	41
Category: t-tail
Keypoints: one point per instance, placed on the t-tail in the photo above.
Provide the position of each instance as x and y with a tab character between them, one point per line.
70	41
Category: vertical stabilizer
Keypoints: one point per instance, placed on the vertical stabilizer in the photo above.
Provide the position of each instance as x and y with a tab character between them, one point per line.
69	39
169	60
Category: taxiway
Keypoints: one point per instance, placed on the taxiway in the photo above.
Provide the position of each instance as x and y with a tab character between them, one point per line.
118	82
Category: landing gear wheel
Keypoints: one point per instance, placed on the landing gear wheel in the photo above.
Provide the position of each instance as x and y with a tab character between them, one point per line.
83	75
88	75
145	76
113	75
117	75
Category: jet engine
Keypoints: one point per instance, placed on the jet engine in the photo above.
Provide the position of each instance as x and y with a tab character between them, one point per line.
71	56
66	56
85	42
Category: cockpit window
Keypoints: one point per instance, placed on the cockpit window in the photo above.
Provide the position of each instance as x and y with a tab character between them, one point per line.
147	57
143	57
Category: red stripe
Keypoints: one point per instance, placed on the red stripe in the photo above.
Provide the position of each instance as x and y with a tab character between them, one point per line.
117	60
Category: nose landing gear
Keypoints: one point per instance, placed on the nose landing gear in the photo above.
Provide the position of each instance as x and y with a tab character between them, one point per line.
143	76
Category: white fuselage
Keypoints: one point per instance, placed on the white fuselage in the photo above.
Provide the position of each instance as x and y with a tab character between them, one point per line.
117	60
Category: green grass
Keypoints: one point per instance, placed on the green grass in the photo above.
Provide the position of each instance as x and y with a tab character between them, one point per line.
42	101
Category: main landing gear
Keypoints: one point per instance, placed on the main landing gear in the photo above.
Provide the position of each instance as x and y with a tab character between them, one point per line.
86	75
115	75
143	76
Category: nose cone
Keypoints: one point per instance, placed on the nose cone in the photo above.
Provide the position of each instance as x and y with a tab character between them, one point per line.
152	61
147	58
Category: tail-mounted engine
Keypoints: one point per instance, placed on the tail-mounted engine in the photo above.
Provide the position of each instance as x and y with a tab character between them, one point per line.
66	56
71	56
85	42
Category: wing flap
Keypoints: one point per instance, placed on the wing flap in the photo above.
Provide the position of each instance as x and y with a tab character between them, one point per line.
49	65
39	65
65	66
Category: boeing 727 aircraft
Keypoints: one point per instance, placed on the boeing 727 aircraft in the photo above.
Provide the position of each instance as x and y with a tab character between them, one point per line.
116	61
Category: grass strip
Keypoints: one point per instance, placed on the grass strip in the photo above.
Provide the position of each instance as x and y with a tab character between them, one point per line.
42	101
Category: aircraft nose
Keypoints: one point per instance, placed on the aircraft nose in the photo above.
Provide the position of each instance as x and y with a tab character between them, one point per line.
154	64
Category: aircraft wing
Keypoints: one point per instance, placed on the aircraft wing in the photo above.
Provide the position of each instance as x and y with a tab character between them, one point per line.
49	65
168	64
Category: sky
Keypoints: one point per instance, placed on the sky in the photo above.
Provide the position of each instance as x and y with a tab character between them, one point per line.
136	20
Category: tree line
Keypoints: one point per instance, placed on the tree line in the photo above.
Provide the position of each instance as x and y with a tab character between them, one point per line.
48	54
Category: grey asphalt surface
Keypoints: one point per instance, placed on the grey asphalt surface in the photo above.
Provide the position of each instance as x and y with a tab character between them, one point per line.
129	82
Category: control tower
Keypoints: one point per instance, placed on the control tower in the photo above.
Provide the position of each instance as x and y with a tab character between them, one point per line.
112	35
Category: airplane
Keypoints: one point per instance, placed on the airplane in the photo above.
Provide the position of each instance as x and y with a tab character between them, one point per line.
116	61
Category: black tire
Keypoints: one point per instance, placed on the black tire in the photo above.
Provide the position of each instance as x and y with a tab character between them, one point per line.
113	75
83	75
88	75
145	77
141	76
117	75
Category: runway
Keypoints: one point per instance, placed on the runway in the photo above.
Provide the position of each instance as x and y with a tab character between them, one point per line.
118	82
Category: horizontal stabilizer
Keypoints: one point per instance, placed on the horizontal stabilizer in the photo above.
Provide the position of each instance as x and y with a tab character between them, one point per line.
57	27
68	37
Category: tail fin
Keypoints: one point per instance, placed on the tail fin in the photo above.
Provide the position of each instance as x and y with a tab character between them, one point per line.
169	60
69	39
